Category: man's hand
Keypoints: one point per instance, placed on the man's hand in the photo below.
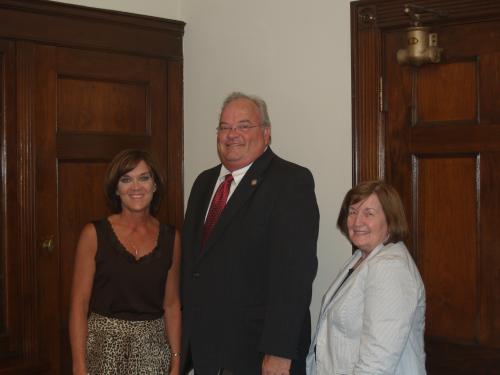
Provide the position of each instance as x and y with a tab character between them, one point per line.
272	365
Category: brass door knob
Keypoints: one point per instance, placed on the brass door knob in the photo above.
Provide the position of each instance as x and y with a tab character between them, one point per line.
48	243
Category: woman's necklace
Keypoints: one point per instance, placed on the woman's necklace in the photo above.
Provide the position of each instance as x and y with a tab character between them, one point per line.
131	243
134	249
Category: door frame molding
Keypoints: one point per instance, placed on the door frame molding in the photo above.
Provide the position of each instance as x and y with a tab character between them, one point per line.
104	29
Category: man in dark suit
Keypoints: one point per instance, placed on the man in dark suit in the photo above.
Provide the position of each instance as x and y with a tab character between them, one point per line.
247	281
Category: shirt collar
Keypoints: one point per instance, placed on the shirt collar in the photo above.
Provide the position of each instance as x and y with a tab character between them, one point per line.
237	174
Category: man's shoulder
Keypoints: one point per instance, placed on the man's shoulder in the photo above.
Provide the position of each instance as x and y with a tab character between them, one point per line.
204	179
209	173
286	163
287	167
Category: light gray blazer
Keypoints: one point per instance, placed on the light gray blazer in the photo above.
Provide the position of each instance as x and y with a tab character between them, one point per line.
374	324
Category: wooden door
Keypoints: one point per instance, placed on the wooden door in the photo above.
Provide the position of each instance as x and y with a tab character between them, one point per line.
437	134
77	85
90	106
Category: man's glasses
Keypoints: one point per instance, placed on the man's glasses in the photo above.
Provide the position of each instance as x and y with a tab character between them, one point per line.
242	128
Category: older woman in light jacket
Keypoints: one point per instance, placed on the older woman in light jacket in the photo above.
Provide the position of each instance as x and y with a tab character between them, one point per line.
372	317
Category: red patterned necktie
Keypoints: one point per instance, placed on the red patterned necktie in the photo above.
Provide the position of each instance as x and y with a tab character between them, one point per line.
216	207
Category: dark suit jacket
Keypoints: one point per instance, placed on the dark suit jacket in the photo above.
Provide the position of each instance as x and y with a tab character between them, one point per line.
247	292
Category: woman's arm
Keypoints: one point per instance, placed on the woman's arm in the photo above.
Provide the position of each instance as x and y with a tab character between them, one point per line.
172	307
83	278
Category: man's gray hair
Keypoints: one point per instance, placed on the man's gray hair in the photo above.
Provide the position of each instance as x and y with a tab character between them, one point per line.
259	102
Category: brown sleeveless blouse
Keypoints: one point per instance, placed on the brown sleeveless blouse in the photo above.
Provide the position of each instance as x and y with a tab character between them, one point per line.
126	288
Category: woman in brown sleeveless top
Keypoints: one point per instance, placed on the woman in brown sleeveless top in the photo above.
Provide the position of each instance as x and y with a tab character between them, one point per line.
125	311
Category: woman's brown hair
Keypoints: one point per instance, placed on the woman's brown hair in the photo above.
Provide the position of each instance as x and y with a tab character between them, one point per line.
123	163
390	202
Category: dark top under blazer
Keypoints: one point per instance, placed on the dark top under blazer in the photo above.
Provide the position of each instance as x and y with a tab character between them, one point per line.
248	291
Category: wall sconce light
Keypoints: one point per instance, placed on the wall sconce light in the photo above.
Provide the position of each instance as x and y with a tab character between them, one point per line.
422	45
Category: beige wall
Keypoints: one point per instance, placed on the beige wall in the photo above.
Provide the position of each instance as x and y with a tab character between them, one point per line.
296	55
293	53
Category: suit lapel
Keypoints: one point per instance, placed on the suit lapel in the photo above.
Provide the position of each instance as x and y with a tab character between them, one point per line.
245	189
332	296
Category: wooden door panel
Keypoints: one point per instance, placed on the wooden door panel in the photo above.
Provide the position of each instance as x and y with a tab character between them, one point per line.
110	92
435	105
95	105
446	218
437	140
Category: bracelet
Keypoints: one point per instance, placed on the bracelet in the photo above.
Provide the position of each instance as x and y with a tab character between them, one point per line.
176	354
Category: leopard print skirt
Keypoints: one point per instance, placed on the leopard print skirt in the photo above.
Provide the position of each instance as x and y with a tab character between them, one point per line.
124	347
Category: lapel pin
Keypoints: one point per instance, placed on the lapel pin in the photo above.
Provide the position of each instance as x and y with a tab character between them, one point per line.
253	182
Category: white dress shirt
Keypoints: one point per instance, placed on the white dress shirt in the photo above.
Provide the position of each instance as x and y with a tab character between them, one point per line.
237	177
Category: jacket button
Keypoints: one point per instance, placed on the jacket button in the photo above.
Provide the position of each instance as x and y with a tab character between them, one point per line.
196	275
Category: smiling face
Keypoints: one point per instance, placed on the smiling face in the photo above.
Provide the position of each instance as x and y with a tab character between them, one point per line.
238	148
366	224
136	188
